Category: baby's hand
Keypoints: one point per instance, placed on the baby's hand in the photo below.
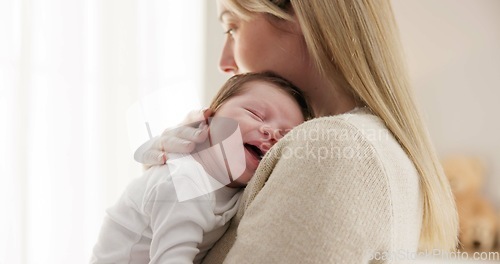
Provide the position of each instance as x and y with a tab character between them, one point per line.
179	140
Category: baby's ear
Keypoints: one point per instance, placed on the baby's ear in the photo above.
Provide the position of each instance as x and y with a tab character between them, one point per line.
208	112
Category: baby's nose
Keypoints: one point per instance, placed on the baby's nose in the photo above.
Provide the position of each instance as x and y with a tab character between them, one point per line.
271	133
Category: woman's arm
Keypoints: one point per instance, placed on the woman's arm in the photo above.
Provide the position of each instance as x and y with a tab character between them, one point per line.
326	201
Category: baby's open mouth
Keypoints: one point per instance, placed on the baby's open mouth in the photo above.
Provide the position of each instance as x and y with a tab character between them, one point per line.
254	150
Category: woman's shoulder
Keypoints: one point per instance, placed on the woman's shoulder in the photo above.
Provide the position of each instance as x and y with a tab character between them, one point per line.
356	139
356	119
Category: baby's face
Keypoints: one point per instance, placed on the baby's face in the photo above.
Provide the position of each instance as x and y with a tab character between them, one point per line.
265	114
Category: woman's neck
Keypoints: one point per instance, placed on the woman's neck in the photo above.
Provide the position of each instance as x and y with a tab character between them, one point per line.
328	100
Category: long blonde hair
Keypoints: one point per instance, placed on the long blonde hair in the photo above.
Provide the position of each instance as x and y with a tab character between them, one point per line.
355	44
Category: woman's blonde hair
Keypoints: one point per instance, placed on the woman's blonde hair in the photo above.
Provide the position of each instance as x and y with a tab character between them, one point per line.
355	44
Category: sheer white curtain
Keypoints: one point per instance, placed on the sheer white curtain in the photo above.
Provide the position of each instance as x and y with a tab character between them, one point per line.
71	74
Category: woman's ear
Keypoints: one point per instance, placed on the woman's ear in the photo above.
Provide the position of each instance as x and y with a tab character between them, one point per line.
294	24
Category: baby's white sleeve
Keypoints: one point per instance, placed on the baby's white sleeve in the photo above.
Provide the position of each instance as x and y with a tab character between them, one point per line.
177	227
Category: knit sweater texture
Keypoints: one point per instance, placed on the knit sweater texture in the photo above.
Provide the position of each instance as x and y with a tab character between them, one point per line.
336	189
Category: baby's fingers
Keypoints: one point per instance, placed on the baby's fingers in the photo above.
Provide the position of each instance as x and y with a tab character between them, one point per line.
149	152
186	133
154	157
170	144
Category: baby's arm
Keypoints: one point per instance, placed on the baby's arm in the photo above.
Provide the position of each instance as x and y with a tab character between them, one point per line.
177	227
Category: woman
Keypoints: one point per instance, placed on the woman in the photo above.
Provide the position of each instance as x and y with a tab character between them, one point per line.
361	182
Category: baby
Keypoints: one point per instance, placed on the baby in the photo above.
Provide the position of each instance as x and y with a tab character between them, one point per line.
160	219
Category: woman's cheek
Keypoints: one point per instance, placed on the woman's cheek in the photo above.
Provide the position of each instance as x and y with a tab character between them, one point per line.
243	58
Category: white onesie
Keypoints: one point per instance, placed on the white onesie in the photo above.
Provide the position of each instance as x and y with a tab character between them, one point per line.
149	224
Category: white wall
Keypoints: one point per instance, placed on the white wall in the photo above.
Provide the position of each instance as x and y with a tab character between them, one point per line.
71	76
214	78
453	53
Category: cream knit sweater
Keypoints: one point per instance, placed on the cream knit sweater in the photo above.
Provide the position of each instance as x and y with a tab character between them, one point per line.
336	189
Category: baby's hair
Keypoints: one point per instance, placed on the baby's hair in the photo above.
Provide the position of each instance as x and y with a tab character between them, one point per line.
235	86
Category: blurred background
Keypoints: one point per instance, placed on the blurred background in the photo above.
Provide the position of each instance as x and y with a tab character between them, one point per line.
79	79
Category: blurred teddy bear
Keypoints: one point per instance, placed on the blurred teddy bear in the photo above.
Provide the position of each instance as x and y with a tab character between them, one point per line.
478	223
498	233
